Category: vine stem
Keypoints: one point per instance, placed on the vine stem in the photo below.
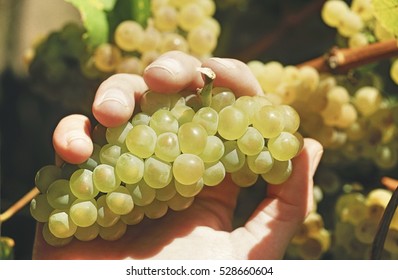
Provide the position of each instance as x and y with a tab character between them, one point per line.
340	60
19	204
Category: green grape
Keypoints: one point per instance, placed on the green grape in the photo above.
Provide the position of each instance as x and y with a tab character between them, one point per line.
365	231
130	65
279	172
274	123
192	138
129	168
128	35
113	232
156	209
117	135
346	200
202	40
182	113
244	177
59	195
291	118
106	57
214	173
332	11
93	160
152	101
189	190
248	105
213	150
141	141
260	163
233	158
83	212
61	224
394	71
141	193
40	209
165	18
166	193
87	233
173	42
46	175
106	217
222	97
386	156
163	121
190	16
208	118
120	201
151	39
81	184
284	147
179	202
52	239
140	118
157	173
232	123
252	142
315	245
188	169
167	147
134	217
367	100
105	178
110	153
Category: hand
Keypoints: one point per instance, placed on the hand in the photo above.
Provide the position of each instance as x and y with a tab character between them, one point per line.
203	231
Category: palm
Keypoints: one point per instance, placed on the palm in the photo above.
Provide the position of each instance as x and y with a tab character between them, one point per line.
209	217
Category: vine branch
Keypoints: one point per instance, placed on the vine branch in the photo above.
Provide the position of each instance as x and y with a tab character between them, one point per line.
340	60
19	204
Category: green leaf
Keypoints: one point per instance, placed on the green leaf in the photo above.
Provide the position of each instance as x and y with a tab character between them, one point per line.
94	17
386	12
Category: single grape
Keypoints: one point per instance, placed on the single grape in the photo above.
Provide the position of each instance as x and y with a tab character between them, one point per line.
83	212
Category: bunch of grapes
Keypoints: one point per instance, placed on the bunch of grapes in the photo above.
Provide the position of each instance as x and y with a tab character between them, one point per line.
357	220
186	26
311	241
353	122
161	159
355	22
358	26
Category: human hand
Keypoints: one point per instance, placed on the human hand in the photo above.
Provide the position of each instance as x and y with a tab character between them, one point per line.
204	230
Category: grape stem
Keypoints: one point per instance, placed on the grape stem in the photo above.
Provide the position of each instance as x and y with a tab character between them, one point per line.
19	204
341	60
205	92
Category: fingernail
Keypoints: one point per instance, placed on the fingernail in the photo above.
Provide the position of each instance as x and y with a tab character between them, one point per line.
315	154
224	62
114	98
75	139
170	65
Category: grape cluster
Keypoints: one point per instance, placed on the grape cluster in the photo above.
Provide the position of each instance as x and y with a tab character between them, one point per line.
358	216
186	26
354	122
169	151
311	241
357	24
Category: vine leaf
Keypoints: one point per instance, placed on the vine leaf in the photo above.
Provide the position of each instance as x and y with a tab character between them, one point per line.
94	17
386	12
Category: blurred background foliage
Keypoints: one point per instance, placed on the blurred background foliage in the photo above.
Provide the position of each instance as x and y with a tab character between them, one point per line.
289	31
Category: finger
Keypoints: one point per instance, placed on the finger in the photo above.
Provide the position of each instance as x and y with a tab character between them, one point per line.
278	216
115	99
172	72
235	75
71	139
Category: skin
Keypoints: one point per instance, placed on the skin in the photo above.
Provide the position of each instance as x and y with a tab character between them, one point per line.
204	230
